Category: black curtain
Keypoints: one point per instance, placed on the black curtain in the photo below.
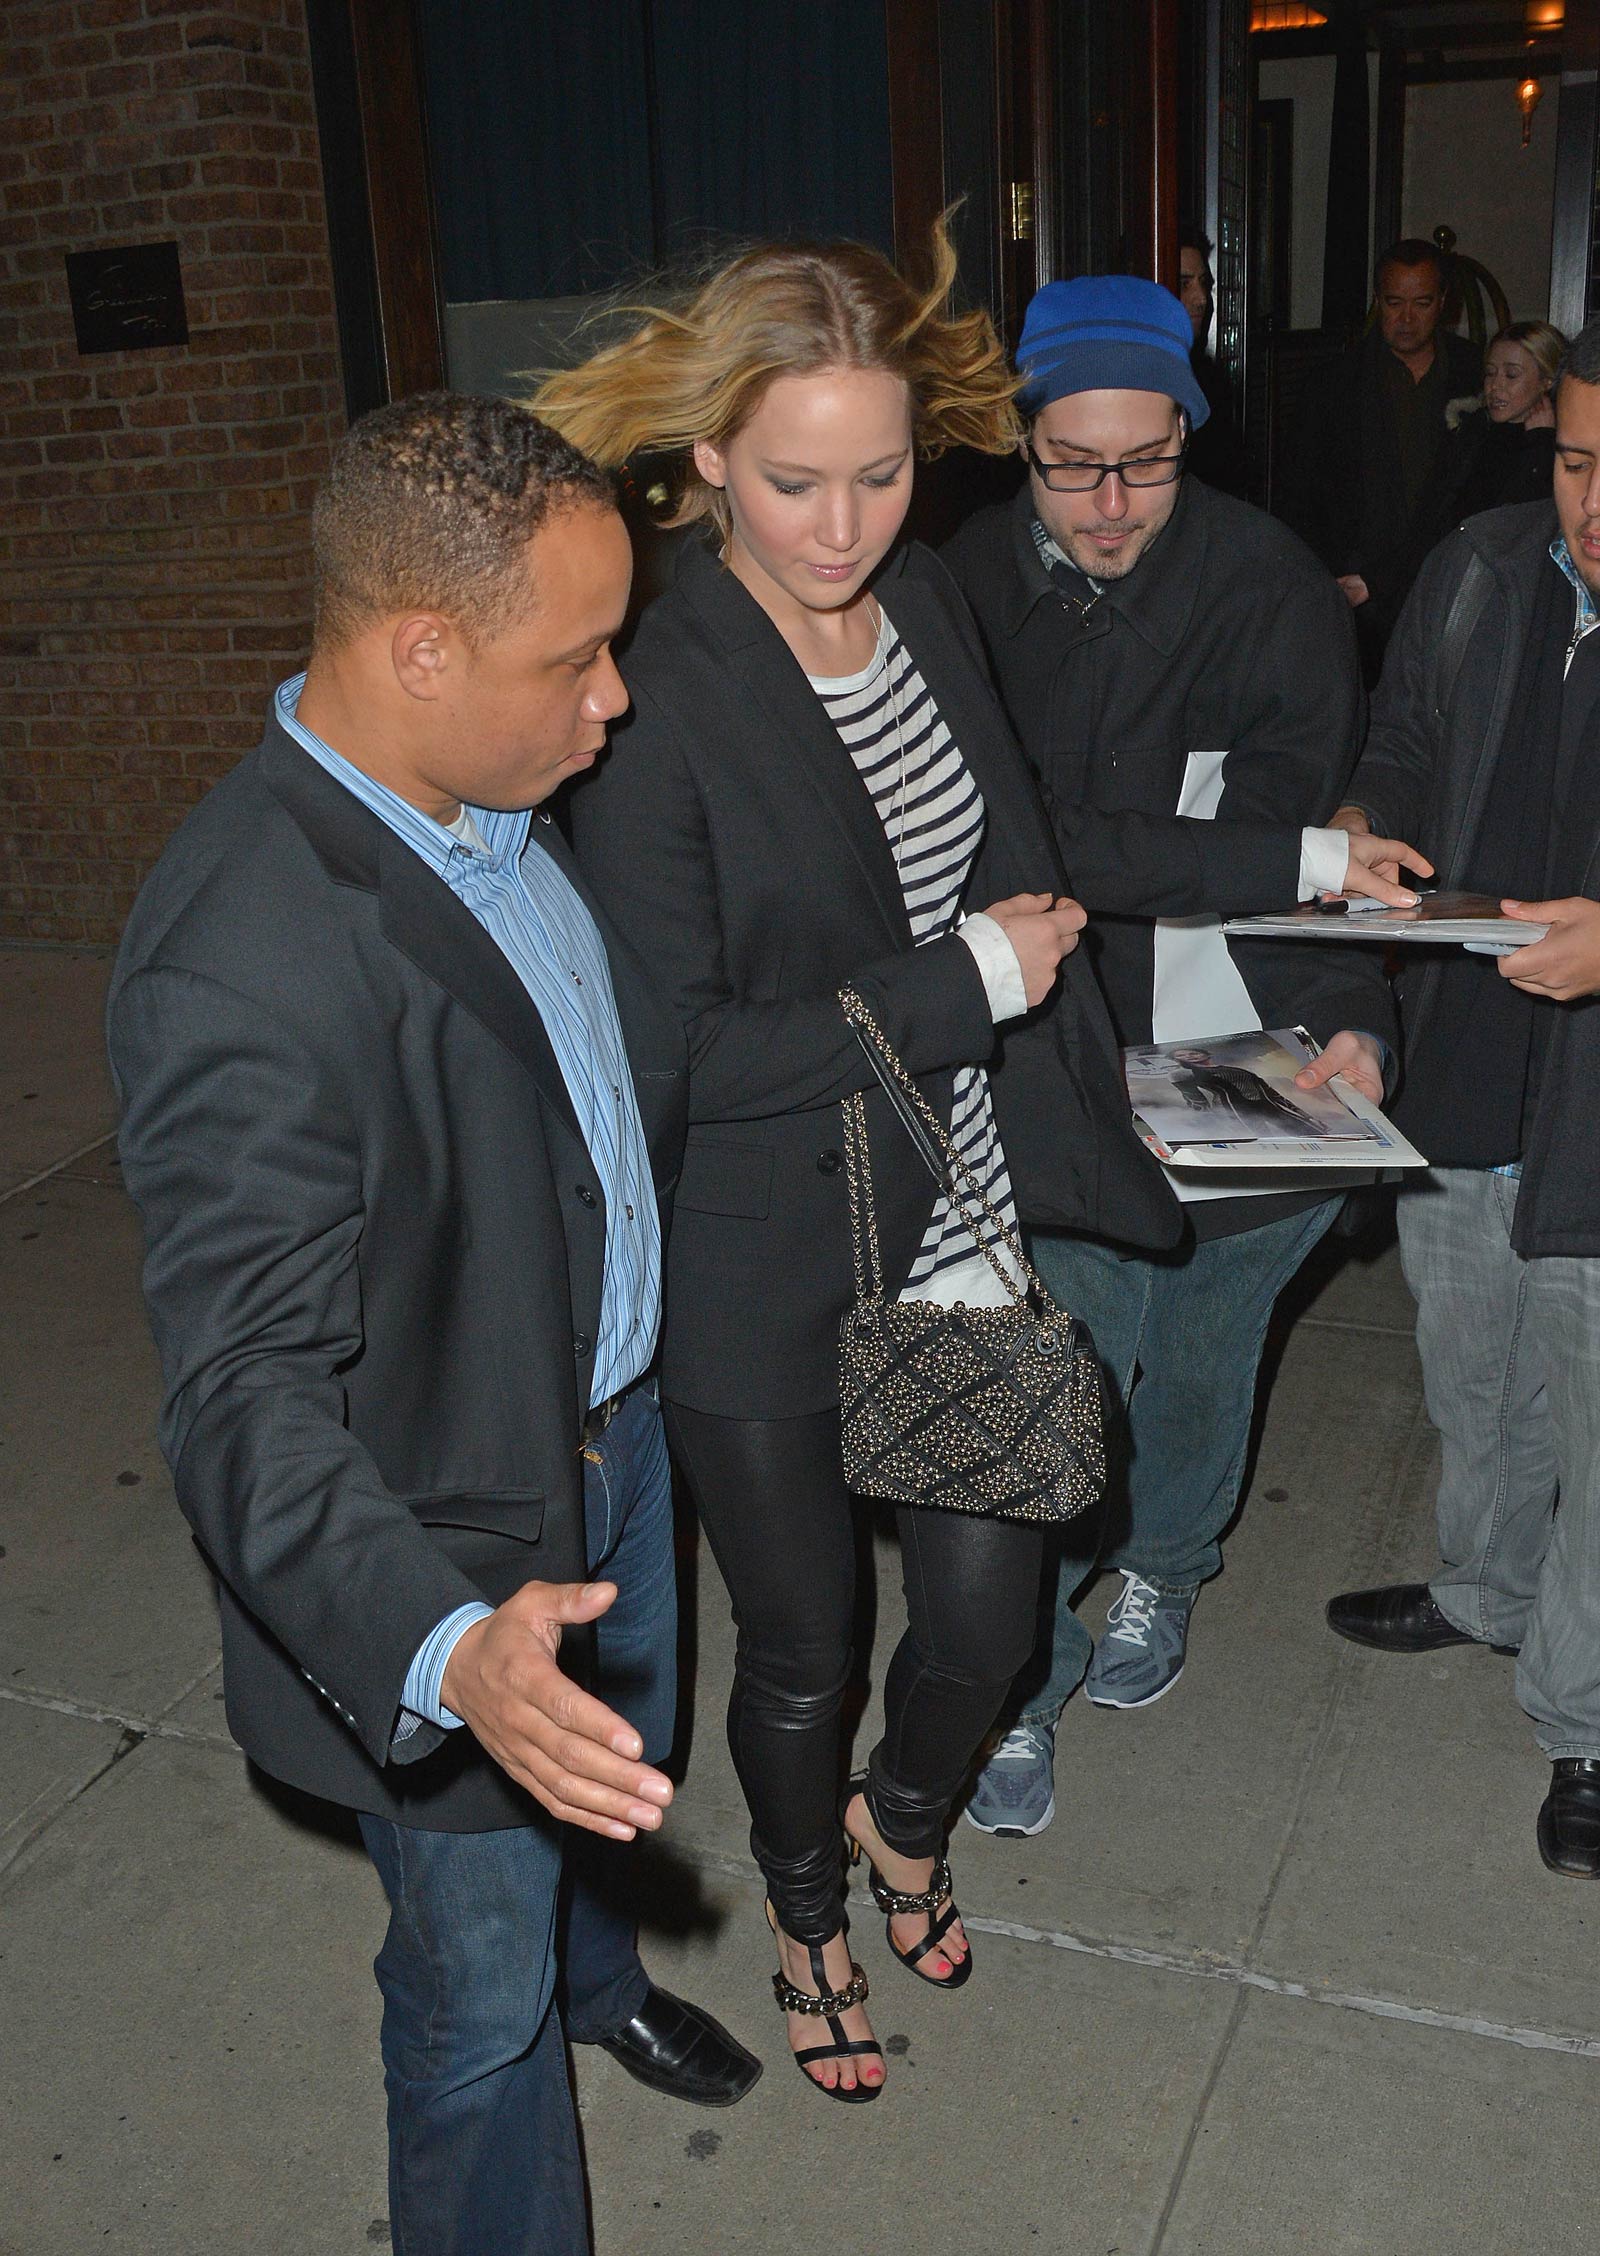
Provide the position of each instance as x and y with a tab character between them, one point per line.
574	146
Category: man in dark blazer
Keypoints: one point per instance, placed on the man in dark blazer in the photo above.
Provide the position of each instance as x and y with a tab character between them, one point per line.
398	1109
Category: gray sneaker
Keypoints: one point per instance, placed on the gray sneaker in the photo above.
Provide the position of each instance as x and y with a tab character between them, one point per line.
1015	1795
1140	1655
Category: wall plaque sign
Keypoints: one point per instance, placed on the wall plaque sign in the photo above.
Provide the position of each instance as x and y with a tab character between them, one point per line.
127	298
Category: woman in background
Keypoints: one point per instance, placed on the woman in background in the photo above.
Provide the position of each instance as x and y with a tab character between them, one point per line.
814	782
1506	451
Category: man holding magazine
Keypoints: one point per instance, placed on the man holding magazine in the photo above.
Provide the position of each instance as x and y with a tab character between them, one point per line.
1485	743
1166	650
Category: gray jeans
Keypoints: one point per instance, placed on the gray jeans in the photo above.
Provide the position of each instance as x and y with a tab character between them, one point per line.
1511	1369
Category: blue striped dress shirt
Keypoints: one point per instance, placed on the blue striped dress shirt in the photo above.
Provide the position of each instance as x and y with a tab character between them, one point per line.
527	906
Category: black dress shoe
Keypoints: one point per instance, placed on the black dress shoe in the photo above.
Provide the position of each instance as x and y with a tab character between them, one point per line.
1399	1618
677	2048
1569	1822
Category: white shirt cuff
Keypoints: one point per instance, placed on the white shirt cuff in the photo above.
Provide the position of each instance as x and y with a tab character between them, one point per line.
1324	861
996	960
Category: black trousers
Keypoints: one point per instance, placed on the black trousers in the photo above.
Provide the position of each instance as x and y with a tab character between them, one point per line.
772	1499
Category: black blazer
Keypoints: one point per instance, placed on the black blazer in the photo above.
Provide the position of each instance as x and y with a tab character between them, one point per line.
376	1244
731	839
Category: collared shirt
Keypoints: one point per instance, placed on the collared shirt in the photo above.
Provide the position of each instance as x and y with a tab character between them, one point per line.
1585	618
528	907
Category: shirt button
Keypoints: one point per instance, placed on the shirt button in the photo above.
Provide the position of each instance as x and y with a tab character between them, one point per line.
628	1210
586	1194
829	1162
577	980
582	1344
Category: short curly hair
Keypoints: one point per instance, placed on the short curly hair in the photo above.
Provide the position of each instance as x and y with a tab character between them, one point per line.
429	505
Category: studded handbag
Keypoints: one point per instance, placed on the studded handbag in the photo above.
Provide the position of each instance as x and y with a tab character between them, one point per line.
997	1411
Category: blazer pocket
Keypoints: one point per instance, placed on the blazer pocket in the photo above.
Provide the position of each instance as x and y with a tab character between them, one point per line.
488	1536
726	1179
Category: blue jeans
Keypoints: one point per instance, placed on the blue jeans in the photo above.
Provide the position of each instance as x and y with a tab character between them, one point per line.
483	2150
1189	1328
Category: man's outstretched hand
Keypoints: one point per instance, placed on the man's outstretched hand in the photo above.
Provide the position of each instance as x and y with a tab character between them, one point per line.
571	1752
1376	863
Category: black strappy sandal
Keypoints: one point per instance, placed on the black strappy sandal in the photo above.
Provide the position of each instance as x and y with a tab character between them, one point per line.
827	2005
894	1903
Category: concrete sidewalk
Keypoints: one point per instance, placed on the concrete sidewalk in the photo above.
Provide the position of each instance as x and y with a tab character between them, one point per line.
1285	1974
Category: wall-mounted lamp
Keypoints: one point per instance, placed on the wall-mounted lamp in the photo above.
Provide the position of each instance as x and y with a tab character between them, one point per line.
1285	15
1529	95
1544	15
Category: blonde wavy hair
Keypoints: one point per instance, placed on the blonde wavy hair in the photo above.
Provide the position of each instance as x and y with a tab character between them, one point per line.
1542	343
698	370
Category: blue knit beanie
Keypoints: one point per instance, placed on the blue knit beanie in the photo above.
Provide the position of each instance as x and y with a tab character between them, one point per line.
1108	333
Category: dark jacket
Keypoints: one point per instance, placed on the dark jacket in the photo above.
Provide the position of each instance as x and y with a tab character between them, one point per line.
730	836
1491	465
1437	733
1226	635
1482	466
1341	486
376	1244
1216	451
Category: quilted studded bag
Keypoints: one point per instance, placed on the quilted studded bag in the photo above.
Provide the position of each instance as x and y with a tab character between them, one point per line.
997	1411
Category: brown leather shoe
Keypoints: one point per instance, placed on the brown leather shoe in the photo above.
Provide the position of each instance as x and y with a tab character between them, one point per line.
1569	1822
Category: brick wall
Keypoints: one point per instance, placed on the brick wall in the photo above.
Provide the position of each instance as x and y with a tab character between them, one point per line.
153	504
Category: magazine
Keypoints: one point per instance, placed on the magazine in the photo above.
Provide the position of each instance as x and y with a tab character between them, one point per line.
1231	1102
1469	920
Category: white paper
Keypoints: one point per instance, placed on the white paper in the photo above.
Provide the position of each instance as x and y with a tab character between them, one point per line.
1198	991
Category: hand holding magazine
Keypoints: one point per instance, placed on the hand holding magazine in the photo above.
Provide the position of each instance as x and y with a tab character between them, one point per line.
1231	1103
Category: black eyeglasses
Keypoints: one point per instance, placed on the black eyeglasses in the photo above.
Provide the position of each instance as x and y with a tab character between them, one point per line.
1085	477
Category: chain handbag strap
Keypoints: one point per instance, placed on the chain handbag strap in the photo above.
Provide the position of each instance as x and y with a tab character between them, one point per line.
863	1211
881	1049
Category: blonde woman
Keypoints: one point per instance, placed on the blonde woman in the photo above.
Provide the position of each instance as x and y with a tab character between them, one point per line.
813	787
1506	451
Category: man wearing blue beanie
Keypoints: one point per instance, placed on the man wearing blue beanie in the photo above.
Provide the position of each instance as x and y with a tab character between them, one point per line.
1164	649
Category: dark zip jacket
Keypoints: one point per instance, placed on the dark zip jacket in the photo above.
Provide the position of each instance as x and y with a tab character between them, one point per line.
1441	719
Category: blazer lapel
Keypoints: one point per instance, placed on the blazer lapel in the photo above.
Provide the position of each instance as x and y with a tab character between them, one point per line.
417	912
969	711
769	672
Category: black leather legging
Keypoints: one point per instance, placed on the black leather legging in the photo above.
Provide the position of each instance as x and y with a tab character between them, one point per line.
773	1501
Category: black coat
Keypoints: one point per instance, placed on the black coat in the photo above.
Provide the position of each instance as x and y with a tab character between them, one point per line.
731	838
1227	635
1426	772
1341	479
376	1244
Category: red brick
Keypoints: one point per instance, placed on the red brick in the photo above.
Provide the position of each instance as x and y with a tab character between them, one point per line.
149	39
33	195
118	80
154	536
